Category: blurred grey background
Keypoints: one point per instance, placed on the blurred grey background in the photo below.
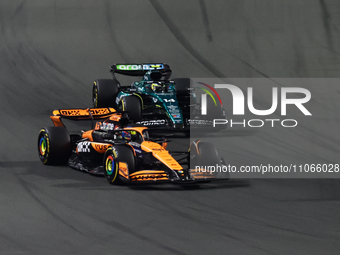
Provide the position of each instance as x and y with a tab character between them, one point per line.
50	53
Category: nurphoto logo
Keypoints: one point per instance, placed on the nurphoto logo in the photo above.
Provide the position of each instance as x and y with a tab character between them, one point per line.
239	100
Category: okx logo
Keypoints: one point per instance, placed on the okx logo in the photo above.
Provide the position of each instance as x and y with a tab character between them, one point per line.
204	104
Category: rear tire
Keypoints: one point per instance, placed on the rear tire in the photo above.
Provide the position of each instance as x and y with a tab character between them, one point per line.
183	97
54	145
112	157
104	93
133	106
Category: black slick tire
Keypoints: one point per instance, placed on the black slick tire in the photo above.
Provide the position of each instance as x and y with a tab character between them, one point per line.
104	93
133	106
54	145
203	154
112	158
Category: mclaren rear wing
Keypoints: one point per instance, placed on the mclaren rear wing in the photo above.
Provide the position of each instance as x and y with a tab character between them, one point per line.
80	114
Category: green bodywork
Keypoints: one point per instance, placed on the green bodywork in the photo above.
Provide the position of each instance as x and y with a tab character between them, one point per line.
165	99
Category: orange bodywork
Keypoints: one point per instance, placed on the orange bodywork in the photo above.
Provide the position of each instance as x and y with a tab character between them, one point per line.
100	147
88	135
81	114
161	154
116	117
149	175
157	150
57	121
123	170
201	175
98	112
196	143
138	129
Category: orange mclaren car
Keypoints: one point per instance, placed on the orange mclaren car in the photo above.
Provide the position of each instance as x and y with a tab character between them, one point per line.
123	153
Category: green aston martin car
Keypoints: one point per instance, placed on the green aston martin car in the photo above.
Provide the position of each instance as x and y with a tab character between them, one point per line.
155	101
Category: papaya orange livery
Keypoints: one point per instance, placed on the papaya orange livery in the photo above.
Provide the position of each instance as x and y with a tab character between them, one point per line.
161	154
121	151
100	147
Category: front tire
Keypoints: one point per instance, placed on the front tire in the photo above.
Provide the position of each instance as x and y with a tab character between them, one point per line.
54	145
113	157
133	106
203	154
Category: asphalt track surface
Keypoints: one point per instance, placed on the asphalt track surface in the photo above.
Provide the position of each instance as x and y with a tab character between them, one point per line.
50	53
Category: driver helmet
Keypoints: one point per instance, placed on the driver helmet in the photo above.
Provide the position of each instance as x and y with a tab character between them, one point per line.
126	135
157	87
